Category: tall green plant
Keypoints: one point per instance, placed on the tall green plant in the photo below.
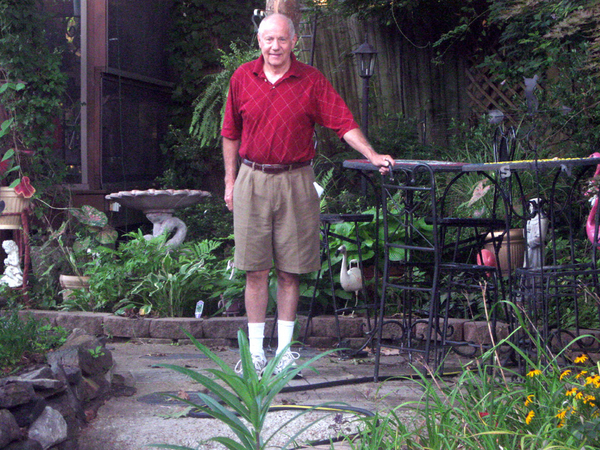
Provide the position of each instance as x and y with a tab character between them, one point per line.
241	402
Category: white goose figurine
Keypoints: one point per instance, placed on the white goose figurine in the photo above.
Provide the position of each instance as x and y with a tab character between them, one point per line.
350	277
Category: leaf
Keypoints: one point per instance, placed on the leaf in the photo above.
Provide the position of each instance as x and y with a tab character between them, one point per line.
88	215
479	192
24	188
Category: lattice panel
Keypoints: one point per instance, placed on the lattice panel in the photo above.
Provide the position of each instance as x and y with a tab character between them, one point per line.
486	95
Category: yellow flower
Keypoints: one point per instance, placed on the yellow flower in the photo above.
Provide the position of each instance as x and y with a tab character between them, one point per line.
579	375
589	399
566	373
581	359
579	396
561	414
570	392
534	373
529	399
529	417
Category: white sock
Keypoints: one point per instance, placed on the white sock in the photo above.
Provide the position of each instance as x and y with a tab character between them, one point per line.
285	332
256	335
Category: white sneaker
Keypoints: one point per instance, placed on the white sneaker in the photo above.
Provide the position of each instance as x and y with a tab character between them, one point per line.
259	361
287	361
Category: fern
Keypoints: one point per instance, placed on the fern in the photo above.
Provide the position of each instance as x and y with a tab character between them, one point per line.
210	106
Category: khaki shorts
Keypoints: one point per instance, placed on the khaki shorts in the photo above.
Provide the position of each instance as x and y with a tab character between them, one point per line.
276	218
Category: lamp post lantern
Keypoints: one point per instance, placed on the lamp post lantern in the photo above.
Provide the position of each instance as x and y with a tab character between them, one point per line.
365	56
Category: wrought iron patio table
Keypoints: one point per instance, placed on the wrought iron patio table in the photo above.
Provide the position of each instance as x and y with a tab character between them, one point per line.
413	228
550	296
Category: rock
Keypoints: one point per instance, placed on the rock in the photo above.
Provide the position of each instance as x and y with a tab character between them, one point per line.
28	413
73	375
15	393
9	429
85	352
29	444
49	429
41	379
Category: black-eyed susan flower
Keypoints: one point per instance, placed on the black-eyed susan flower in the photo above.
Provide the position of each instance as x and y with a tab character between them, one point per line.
571	392
534	373
529	418
566	373
581	359
529	399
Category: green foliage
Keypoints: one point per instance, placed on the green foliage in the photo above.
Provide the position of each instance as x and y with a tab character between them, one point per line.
77	238
491	406
210	107
423	22
144	275
554	40
241	402
208	220
25	55
201	29
22	340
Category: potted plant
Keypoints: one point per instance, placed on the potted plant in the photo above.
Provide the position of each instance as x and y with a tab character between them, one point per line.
77	240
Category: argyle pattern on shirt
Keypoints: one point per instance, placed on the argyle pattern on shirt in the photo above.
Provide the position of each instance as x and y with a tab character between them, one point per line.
275	122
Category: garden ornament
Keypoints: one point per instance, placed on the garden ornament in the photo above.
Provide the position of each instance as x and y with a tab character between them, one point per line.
350	274
590	223
537	229
13	275
166	223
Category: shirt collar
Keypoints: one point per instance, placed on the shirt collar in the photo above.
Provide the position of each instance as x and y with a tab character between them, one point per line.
293	71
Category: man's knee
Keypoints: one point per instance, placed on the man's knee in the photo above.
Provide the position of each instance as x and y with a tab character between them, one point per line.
256	277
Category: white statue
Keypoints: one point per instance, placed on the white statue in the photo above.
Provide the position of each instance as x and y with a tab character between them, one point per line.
165	222
13	275
537	228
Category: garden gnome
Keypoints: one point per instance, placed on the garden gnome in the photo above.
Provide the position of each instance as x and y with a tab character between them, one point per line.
537	227
13	275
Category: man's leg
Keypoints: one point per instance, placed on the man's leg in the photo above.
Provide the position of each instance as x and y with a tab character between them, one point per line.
288	295
256	300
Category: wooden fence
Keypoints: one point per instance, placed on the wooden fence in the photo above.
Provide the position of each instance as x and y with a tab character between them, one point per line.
406	79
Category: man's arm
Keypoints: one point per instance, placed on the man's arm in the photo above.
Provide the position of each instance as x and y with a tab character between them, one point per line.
230	154
357	140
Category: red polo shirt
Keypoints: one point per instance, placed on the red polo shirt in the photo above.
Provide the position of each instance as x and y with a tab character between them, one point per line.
275	122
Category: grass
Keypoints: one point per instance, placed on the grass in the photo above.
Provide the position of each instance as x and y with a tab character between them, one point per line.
26	341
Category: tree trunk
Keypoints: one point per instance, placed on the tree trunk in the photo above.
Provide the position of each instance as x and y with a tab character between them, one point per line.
290	8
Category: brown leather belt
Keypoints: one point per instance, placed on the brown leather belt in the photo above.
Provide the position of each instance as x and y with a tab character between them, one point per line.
276	168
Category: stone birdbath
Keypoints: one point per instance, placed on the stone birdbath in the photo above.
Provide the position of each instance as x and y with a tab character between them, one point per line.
159	206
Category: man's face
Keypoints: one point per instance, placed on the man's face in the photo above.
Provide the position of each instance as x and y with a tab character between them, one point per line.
275	43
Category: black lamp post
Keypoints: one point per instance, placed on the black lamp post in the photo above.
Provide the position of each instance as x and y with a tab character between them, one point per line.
365	56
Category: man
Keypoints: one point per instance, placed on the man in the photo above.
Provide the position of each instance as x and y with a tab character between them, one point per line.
272	107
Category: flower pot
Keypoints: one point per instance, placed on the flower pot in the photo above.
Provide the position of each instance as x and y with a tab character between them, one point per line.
13	204
517	249
71	282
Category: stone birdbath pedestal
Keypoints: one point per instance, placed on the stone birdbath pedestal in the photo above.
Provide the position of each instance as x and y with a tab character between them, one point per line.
159	206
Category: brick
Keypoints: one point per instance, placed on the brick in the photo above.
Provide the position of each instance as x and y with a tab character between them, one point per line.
455	329
90	322
125	327
477	332
173	328
224	327
49	316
